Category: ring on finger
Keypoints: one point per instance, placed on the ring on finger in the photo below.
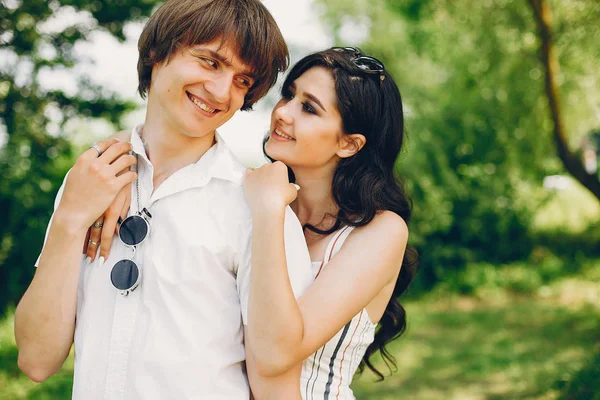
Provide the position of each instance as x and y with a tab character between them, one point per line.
98	224
95	147
90	241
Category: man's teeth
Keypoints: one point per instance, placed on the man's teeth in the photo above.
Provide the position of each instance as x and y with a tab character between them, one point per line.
202	105
283	135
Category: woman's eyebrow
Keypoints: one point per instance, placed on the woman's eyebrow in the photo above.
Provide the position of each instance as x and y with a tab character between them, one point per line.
314	99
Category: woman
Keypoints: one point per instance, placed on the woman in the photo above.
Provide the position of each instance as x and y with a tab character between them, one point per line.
339	128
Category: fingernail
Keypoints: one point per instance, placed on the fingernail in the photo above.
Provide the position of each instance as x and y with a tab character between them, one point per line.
88	260
297	186
101	261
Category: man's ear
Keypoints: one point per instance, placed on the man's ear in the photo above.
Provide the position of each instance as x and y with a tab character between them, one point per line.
351	144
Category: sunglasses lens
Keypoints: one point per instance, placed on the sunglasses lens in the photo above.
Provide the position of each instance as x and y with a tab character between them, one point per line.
125	275
369	64
133	230
351	50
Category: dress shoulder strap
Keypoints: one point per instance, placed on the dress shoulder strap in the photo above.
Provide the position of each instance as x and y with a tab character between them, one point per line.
338	240
334	246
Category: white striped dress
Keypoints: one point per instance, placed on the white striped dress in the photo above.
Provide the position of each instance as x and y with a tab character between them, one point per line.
327	374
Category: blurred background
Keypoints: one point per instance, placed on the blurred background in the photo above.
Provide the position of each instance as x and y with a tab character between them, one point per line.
502	101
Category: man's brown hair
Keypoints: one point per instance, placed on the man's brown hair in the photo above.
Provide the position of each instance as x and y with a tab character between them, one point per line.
245	24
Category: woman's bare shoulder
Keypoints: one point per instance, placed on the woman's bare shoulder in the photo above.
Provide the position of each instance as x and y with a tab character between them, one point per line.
386	224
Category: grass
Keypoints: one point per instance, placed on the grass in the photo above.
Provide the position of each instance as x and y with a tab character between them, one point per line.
500	346
504	347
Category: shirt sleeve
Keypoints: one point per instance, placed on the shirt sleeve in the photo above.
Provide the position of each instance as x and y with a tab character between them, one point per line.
56	203
297	257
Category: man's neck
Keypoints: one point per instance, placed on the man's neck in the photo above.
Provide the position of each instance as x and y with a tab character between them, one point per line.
169	150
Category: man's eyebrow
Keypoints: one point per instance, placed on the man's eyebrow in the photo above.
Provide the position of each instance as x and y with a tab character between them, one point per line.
226	62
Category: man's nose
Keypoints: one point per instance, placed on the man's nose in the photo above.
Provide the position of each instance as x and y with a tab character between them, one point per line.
220	87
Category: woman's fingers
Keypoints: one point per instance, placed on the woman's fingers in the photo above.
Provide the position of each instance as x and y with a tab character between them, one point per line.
93	242
124	212
123	136
111	220
122	164
125	178
97	149
85	243
115	151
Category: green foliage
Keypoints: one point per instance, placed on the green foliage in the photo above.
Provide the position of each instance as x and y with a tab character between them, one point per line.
582	384
477	119
520	277
35	155
572	212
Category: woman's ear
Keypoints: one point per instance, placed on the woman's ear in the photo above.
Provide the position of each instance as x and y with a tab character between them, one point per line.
351	144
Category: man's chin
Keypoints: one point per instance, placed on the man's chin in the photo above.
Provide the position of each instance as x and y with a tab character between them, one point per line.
196	134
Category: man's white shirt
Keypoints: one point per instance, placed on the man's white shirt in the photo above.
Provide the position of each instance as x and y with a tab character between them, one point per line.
179	335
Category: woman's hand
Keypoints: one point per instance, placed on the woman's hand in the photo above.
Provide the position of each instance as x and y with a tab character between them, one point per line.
94	182
267	188
100	234
105	227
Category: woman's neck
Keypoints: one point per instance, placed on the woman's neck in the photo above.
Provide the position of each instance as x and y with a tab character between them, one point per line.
315	204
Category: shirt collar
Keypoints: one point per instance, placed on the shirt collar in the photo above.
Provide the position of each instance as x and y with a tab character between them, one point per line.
218	162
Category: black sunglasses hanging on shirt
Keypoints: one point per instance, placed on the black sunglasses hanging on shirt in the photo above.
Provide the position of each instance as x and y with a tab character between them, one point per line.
125	274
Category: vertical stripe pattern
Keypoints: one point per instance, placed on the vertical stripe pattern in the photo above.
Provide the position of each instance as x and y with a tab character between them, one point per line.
332	360
344	354
339	358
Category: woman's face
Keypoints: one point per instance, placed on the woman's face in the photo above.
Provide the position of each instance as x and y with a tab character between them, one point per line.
306	127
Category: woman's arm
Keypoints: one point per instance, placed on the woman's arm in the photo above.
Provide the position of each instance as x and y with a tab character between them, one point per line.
283	331
284	386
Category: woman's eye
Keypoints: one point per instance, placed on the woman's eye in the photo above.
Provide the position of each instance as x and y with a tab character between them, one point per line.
308	108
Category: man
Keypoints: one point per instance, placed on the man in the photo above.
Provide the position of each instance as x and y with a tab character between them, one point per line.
179	333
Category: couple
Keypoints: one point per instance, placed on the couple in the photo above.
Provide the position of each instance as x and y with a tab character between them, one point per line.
178	309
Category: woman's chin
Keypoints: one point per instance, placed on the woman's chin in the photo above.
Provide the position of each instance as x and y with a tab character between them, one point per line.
271	151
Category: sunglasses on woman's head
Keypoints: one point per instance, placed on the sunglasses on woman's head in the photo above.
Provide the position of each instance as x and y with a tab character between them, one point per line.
367	64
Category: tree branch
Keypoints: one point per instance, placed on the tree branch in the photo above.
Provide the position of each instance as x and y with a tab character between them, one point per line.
542	16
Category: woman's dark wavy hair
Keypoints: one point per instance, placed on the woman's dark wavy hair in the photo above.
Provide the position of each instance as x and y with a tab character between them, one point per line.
365	183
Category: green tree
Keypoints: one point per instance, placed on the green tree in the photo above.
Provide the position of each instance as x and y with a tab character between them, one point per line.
35	154
480	139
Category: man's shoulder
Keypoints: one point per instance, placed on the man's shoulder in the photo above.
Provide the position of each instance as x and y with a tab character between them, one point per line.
227	166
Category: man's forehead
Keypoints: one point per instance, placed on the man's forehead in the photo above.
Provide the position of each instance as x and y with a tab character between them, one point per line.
227	52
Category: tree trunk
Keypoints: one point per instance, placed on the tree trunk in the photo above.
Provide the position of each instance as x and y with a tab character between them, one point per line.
542	16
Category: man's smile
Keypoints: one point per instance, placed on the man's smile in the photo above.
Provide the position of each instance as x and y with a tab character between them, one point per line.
202	104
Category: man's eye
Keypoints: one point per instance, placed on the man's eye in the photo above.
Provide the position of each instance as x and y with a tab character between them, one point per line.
245	82
209	62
